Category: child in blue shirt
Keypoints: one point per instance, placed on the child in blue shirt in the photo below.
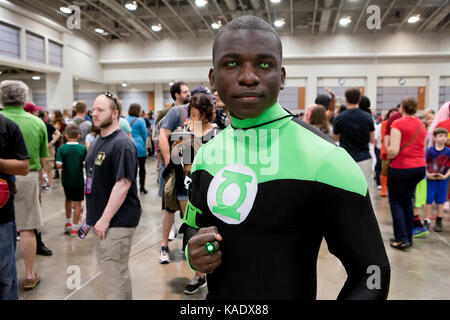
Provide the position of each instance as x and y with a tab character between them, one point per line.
438	163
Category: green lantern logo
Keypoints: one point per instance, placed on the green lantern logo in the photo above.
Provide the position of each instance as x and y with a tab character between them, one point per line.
232	193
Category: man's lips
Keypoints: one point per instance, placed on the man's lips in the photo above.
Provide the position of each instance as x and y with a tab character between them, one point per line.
248	96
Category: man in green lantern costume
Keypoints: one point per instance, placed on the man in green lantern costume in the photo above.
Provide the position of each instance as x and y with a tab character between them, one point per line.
269	188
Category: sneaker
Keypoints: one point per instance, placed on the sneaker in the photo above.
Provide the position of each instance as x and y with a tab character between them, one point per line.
438	226
164	257
379	187
426	224
47	189
68	228
196	284
74	232
419	232
173	233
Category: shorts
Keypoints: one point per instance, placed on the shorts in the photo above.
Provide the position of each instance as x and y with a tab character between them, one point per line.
421	194
49	163
181	195
26	201
437	191
74	194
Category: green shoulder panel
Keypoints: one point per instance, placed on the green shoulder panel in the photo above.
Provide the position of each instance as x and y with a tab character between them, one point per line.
340	170
288	152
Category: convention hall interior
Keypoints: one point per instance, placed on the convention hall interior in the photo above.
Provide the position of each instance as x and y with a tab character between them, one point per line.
70	50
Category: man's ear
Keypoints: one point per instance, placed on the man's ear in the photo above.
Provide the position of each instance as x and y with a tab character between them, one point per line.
212	80
283	78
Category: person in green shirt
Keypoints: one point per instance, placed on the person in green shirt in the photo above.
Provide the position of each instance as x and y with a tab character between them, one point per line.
70	159
13	95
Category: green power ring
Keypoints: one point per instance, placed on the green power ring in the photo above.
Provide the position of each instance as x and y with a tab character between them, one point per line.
209	247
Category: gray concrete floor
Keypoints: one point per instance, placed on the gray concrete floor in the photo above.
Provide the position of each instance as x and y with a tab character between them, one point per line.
421	273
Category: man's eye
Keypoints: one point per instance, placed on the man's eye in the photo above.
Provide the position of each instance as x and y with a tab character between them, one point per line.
232	64
265	65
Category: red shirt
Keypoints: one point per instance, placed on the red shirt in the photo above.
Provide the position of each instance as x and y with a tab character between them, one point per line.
414	155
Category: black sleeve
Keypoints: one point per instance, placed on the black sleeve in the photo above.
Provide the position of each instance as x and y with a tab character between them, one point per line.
353	236
125	162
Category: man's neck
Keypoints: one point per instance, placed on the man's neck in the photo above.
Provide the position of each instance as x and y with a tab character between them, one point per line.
104	132
439	147
352	106
79	115
178	103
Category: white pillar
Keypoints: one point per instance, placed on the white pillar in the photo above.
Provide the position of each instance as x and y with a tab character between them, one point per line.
311	90
371	89
432	97
159	97
59	88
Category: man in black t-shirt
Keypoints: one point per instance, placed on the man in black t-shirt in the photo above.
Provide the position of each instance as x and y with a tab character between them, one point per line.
354	129
13	161
112	202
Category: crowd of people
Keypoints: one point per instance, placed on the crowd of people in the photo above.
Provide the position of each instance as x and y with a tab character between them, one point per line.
100	153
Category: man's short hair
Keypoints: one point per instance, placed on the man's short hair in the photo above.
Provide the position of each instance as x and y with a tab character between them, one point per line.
134	110
80	107
176	88
353	95
72	131
439	131
247	23
13	93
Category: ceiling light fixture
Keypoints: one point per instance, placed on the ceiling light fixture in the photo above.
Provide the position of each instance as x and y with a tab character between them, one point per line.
279	23
65	10
216	25
275	1
345	21
124	84
99	30
171	83
36	78
156	27
414	19
201	3
131	5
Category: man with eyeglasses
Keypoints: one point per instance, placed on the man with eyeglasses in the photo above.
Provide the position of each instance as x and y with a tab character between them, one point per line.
113	206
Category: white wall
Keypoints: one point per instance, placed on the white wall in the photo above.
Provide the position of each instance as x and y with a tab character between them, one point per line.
310	58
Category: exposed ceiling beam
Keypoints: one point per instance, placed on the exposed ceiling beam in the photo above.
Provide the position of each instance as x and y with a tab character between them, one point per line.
39	7
363	11
220	10
104	26
291	4
201	17
179	18
325	16
439	9
407	16
110	16
316	4
441	14
444	26
266	2
163	23
132	19
337	16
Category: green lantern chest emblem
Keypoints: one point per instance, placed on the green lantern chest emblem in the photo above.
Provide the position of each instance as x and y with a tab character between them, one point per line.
232	193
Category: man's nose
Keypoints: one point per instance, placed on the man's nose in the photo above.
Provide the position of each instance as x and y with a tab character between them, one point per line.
248	76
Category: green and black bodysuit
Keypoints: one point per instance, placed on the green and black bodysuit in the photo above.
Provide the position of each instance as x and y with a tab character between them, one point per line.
274	187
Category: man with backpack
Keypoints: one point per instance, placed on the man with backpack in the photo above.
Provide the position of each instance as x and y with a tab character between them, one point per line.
80	120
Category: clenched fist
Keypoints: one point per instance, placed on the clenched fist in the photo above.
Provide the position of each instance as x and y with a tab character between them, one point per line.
198	257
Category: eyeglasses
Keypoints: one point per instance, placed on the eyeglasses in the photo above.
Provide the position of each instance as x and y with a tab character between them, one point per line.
113	98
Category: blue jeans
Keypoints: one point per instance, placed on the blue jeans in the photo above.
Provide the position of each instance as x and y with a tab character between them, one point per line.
8	272
401	187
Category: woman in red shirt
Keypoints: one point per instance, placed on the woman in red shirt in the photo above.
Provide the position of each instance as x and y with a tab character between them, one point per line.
407	151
